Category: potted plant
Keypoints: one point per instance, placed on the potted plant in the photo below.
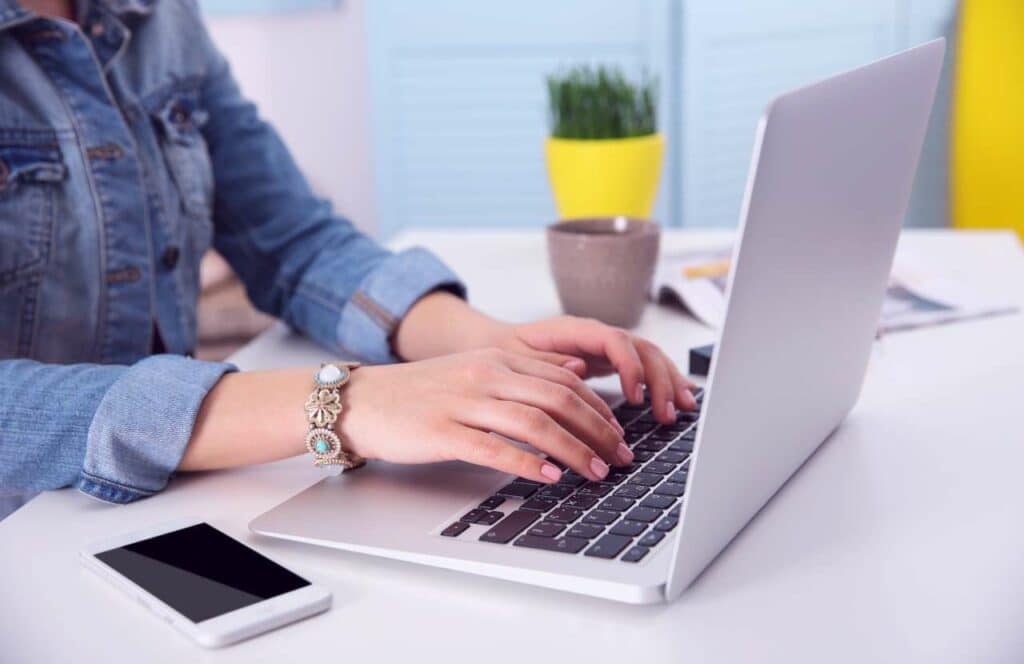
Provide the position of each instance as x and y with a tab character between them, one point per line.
604	154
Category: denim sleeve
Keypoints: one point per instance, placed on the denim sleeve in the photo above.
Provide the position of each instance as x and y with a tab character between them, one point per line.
114	432
300	261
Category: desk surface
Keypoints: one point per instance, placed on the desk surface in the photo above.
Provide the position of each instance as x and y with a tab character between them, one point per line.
899	541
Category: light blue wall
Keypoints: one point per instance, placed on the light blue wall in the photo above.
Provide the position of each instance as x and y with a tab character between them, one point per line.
458	99
230	7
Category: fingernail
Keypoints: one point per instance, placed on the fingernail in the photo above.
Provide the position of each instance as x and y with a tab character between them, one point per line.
638	393
624	453
670	410
618	427
690	399
575	365
550	472
598	467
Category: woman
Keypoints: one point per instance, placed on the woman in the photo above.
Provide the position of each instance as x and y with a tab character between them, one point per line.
126	149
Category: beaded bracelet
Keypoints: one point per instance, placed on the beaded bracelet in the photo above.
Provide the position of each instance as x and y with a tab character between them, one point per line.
322	409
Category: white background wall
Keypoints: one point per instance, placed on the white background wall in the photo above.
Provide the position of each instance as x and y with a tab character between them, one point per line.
308	73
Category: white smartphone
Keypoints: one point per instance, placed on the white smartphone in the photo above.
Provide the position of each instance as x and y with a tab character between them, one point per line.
208	585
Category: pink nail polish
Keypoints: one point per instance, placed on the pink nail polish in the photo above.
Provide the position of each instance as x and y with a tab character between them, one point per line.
624	453
550	472
598	467
615	425
670	410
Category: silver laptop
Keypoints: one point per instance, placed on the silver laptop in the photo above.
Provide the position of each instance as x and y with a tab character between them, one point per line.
831	174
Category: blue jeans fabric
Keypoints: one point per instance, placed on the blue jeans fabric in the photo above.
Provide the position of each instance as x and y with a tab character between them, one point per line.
126	151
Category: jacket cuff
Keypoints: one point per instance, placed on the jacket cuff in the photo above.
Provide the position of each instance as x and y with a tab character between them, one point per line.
374	311
143	424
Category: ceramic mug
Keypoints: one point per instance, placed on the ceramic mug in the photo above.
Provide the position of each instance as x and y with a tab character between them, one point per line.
603	266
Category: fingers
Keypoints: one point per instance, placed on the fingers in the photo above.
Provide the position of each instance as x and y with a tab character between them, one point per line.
533	426
530	367
659	382
570	410
574	364
683	387
484	449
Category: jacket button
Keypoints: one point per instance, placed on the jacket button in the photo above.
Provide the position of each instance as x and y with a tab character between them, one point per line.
170	257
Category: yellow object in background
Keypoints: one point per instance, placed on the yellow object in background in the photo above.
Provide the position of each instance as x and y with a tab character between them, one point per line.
987	170
605	177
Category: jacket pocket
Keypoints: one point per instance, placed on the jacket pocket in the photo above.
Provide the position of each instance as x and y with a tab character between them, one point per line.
178	121
30	169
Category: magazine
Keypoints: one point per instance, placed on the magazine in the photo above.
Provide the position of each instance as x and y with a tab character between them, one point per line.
918	295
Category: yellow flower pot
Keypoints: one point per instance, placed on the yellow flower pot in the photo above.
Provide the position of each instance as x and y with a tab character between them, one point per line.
605	177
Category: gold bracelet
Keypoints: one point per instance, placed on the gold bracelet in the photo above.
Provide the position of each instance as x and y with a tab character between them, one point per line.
322	409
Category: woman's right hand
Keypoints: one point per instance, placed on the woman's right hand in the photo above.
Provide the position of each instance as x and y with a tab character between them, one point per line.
450	407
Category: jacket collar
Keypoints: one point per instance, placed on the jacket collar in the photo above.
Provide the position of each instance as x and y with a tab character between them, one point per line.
11	12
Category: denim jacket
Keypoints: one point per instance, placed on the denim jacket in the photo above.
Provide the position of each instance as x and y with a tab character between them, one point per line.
126	149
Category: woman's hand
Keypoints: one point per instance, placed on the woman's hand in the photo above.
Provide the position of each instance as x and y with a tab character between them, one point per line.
446	408
441	323
591	348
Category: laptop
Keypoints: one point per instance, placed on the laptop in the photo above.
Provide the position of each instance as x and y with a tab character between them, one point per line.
831	174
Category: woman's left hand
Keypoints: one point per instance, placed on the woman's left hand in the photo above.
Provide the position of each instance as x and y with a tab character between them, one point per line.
590	348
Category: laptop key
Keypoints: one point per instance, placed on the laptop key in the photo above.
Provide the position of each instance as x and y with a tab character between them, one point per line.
652	538
492	502
600	517
617	504
523	480
678	477
667	524
539	504
572	479
628	528
671	489
635	554
608	546
564	514
555	492
671	457
632	491
615	476
640	456
490	518
633	437
517	490
581	502
651	445
657	501
645	479
645	514
546	529
659	468
472	515
676	511
640	427
510	526
665	435
596	489
683	445
455	529
562	545
585	530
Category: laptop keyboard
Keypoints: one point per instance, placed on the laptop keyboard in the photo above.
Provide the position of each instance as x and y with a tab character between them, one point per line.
622	517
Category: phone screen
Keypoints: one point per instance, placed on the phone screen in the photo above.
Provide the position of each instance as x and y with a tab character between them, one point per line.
201	572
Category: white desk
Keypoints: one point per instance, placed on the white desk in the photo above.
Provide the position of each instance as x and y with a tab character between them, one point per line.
900	541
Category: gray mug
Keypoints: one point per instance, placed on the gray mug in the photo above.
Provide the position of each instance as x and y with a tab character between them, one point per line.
603	267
